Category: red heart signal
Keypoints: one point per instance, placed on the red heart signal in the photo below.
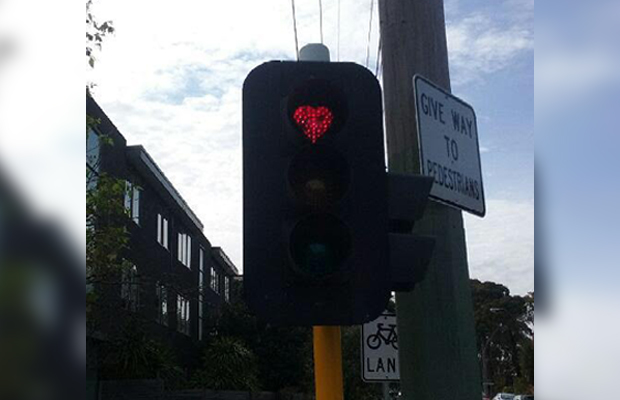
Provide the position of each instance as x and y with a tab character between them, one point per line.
314	121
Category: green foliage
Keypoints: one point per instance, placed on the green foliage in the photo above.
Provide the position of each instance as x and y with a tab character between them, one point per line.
91	122
526	362
107	236
95	33
286	357
235	319
228	365
285	353
132	355
504	328
106	230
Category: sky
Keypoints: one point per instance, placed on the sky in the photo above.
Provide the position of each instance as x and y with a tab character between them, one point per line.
170	79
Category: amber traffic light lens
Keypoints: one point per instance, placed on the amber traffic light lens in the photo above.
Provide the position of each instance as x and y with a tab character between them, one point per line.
319	176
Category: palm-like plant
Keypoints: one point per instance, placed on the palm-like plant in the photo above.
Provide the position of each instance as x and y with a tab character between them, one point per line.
228	365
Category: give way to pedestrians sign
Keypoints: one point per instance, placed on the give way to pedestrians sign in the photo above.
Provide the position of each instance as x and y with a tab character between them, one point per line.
380	349
449	148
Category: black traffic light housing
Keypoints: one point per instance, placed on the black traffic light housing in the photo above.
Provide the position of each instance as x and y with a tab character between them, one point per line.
410	253
326	230
315	188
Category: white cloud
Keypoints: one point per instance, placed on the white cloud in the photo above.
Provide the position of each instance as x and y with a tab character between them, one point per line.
479	45
501	245
197	145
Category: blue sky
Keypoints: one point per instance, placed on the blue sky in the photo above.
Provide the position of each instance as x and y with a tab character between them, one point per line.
171	78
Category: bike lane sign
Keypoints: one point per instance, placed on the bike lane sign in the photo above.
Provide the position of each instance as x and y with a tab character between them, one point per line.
380	350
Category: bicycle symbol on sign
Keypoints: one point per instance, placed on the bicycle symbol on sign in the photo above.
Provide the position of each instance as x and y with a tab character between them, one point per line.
383	335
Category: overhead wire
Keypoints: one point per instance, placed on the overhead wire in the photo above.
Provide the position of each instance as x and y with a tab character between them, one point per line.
295	30
378	56
338	30
372	3
380	70
321	19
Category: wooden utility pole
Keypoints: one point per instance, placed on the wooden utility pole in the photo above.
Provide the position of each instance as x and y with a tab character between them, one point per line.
437	345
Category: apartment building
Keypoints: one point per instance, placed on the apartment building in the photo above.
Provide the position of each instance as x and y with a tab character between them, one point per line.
176	278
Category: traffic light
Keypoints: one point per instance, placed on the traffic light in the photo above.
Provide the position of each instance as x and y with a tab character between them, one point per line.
315	194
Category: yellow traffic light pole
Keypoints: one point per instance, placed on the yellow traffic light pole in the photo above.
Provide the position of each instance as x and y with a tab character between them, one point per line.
327	363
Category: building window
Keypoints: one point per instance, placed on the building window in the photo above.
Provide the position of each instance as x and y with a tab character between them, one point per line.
227	288
182	314
201	259
162	231
201	266
162	304
132	201
130	288
185	249
214	281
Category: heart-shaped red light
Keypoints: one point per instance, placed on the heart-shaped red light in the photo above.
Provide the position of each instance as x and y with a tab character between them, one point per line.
314	121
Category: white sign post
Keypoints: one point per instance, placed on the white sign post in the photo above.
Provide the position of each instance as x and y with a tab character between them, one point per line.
449	149
380	350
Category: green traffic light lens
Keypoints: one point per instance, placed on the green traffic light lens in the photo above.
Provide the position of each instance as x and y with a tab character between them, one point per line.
320	244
